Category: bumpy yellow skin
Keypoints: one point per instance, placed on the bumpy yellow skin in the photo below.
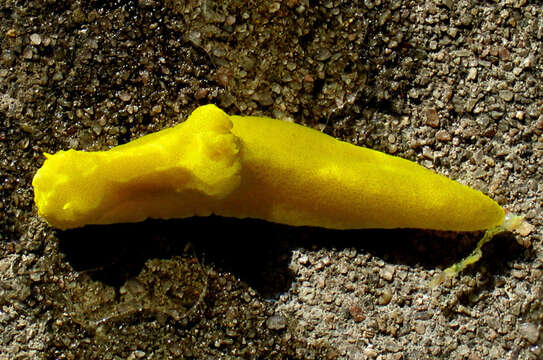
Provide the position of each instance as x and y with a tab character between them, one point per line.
253	167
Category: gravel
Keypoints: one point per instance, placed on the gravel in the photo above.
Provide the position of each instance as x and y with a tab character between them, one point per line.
453	85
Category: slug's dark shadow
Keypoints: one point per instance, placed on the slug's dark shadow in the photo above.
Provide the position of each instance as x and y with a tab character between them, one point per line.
255	251
259	252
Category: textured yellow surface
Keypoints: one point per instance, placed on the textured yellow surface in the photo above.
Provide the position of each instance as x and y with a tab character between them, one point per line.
254	167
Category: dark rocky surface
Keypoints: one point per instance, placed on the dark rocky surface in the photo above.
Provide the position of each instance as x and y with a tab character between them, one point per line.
453	85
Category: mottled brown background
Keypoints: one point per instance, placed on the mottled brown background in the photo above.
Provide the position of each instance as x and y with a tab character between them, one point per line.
453	85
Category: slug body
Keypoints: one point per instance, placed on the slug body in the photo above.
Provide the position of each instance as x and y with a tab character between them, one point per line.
255	167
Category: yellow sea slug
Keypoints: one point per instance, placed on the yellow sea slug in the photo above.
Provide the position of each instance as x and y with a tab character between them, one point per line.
256	167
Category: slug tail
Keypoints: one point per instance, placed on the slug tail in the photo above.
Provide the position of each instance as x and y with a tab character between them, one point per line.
510	223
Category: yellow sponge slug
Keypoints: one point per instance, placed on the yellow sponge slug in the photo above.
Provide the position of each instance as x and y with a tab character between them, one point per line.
255	167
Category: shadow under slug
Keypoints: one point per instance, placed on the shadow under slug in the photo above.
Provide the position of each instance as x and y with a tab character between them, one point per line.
160	268
259	252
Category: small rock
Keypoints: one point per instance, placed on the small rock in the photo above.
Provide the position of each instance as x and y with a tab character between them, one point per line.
504	53
413	93
458	104
195	37
466	19
472	74
432	118
35	39
420	328
385	298
506	95
356	313
274	7
97	129
230	20
124	96
326	261
264	98
157	109
443	135
428	153
448	3
27	128
530	332
518	274
525	228
303	259
496	115
146	3
323	54
370	353
224	75
27	53
387	273
392	346
528	61
308	78
200	94
276	322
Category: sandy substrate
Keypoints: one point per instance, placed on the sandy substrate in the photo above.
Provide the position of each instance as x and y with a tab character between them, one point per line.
456	86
